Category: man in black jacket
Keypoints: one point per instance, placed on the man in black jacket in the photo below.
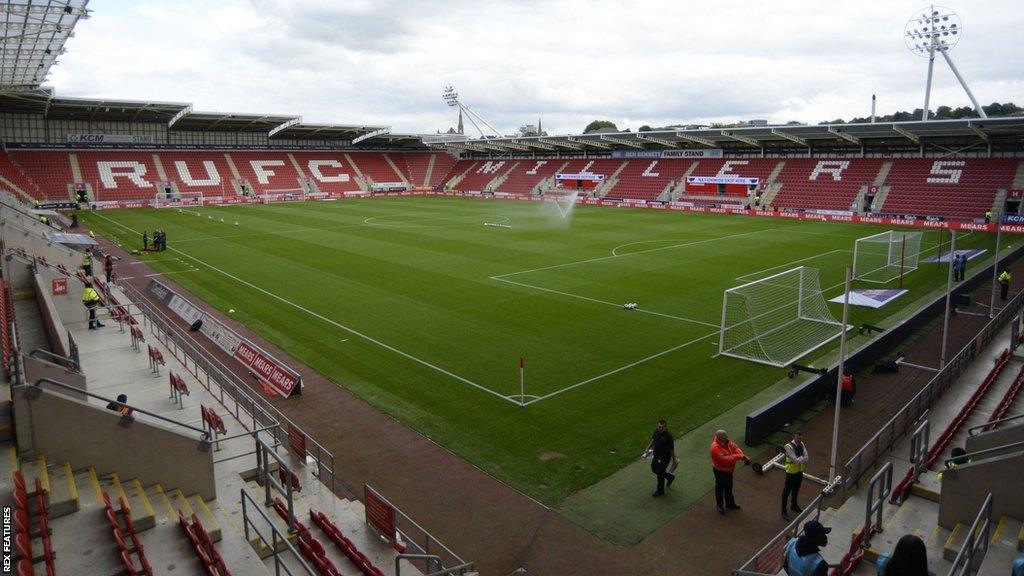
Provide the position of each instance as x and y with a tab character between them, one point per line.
663	451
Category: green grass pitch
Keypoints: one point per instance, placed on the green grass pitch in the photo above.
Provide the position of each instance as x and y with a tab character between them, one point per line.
421	308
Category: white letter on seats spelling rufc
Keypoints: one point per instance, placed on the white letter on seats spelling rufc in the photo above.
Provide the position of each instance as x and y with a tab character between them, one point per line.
490	167
833	167
262	174
537	166
650	170
212	176
136	173
726	169
314	169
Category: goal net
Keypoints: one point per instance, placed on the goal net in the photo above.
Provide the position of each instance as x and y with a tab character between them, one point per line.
776	320
884	257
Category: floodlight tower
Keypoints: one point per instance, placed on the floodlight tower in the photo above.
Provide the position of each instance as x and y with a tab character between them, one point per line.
451	98
936	29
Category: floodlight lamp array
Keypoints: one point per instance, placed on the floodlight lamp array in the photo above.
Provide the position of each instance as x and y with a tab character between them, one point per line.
451	97
936	29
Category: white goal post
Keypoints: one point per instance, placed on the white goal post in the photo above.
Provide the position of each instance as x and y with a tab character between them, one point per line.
887	256
778	319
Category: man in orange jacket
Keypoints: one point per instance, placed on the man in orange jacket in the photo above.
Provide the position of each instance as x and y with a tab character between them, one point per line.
724	456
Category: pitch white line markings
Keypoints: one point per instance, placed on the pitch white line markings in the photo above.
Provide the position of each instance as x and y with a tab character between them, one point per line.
332	322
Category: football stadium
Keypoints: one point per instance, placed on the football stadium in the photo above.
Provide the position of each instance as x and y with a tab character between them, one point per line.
247	343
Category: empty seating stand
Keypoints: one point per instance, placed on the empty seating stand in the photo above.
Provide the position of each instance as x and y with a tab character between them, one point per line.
203	546
331	172
346	546
125	549
31	520
646	178
375	167
50	171
824	183
529	173
961	188
206	173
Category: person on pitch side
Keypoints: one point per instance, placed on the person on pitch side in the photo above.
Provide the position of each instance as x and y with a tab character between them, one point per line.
663	452
724	456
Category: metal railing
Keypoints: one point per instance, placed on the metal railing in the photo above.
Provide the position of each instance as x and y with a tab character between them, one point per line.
75	355
965	458
899	425
421	542
973	551
265	478
919	444
51	357
230	389
876	502
204	435
768	560
429	559
974	429
275	538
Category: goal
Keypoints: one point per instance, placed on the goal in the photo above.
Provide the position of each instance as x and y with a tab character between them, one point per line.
778	319
283	195
178	199
887	256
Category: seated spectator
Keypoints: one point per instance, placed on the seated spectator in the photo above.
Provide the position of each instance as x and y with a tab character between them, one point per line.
958	457
802	555
121	405
1018	566
909	558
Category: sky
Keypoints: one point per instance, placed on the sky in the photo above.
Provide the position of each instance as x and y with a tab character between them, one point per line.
568	62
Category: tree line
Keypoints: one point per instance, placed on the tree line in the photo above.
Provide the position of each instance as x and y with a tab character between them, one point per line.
993	110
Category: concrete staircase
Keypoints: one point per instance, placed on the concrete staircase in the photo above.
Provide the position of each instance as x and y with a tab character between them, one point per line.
430	170
75	503
999	202
609	184
400	173
454	182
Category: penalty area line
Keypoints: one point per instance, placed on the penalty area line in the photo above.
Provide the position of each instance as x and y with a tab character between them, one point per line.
334	323
596	301
621	368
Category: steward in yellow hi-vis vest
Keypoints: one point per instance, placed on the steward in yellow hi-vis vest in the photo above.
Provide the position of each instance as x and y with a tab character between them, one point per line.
91	300
795	461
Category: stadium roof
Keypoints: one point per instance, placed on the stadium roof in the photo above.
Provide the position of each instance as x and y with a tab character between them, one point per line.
751	137
32	36
42	101
181	116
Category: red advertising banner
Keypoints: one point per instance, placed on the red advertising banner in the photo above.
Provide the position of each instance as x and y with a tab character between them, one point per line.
379	514
278	377
59	287
296	442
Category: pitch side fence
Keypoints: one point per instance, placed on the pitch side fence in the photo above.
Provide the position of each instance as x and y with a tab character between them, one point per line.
256	414
767	420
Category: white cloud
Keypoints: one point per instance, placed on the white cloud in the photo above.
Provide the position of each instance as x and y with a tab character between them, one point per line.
569	62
